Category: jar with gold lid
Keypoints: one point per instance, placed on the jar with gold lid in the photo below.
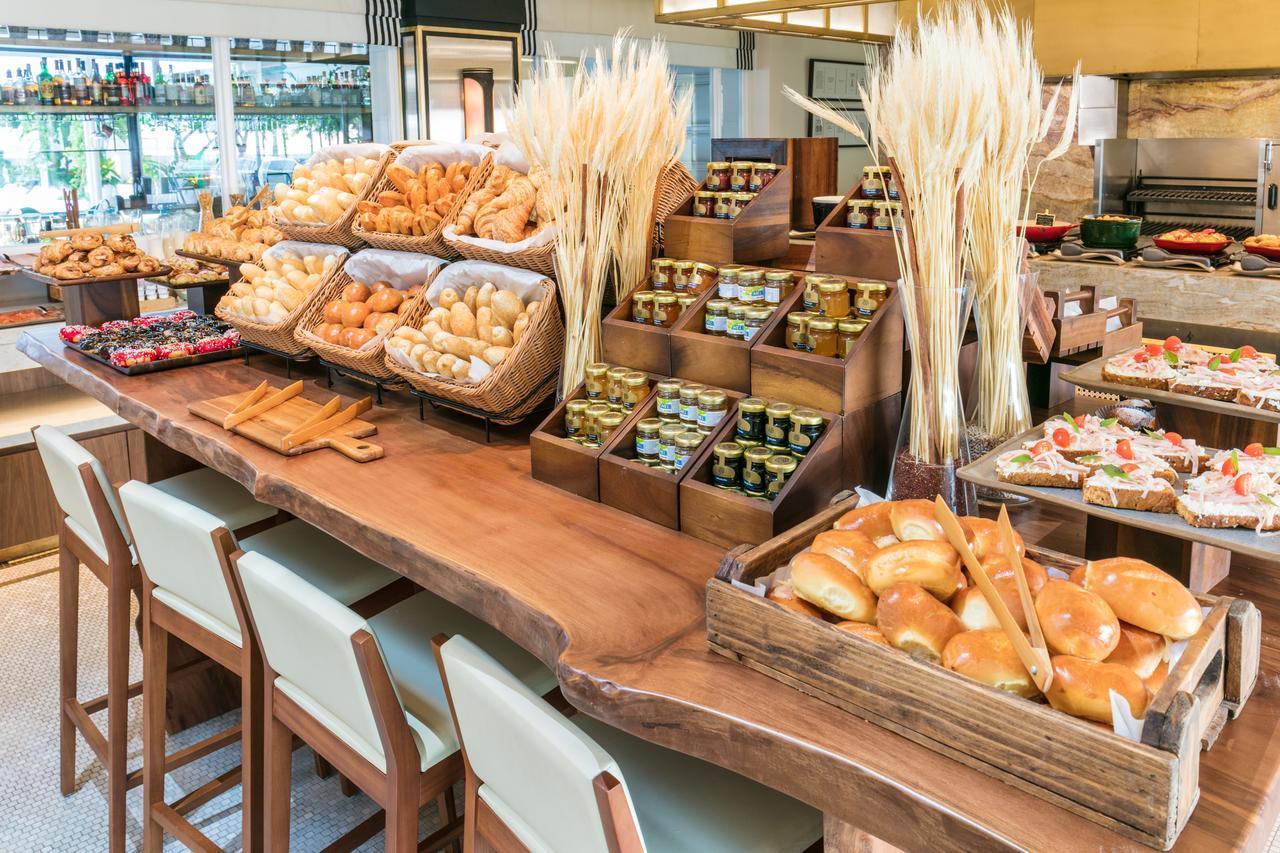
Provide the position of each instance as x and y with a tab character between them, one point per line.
847	334
798	330
704	276
617	385
757	316
667	444
668	399
873	181
737	321
635	389
871	296
883	220
642	306
596	381
833	298
606	425
751	287
591	427
777	284
716	317
687	444
704	204
682	277
750	428
575	419
723	202
809	300
822	336
739	203
727	281
685	301
647	441
754	473
859	213
660	272
718	176
726	467
762	175
777	469
713	405
666	310
689	392
777	425
806	429
740	176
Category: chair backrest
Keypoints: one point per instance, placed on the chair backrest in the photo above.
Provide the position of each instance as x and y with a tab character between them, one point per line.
535	761
306	639
175	546
62	457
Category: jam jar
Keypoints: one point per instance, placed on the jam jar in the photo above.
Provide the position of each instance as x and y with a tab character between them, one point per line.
606	425
754	473
682	279
718	177
891	185
668	400
727	281
858	213
871	295
591	426
810	298
757	317
716	318
642	306
666	310
737	321
895	215
777	283
647	442
726	469
822	336
872	182
704	276
617	386
596	380
833	298
777	425
777	470
635	389
847	334
687	444
750	428
713	405
740	176
689	403
667	444
723	202
798	330
883	220
739	204
751	287
762	175
660	272
704	204
575	419
806	429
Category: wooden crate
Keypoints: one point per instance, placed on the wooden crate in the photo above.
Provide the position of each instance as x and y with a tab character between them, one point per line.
1145	791
1088	330
651	493
760	233
861	252
729	519
641	346
813	162
721	362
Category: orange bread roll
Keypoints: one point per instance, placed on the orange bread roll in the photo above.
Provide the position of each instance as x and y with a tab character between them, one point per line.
986	540
1081	688
932	565
988	656
1156	680
828	585
785	595
914	519
999	568
913	620
1139	649
1142	595
848	547
971	606
1076	622
872	521
862	629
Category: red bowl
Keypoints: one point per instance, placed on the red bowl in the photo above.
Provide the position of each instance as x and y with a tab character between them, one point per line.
1188	248
1044	233
1264	251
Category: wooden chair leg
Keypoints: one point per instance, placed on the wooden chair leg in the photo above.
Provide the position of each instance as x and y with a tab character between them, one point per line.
68	641
118	624
155	681
448	809
278	748
402	822
470	802
346	786
252	750
323	768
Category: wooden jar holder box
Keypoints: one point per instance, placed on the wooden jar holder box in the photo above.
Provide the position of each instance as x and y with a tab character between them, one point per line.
729	519
1145	791
760	233
863	252
1088	330
651	493
640	345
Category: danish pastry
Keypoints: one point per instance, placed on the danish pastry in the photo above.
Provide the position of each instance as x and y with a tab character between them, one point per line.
68	271
107	271
86	241
101	256
121	244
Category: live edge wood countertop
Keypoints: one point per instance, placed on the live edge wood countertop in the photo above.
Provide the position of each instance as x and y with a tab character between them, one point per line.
614	605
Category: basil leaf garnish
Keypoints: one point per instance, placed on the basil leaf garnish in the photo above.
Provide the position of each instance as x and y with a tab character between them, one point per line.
1113	471
1235	355
1108	422
1021	459
1171	357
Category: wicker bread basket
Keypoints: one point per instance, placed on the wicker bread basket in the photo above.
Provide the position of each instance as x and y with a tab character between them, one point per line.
369	359
432	243
674	186
525	377
279	336
337	232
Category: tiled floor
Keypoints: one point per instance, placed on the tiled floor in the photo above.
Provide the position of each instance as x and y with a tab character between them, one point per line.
34	816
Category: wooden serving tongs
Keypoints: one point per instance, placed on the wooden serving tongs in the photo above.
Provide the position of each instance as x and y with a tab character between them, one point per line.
1033	654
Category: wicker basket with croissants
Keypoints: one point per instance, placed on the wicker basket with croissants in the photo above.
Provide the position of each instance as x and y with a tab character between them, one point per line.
89	254
505	209
420	200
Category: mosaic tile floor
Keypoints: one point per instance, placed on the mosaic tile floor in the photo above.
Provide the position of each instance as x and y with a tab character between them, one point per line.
34	816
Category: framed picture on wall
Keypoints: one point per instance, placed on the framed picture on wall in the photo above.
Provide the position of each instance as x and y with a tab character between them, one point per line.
822	127
835	80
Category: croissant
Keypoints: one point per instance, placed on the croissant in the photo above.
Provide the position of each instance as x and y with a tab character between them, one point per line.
466	216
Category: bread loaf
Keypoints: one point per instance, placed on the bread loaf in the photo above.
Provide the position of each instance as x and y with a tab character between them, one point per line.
871	520
848	547
1139	649
930	564
785	595
1082	688
988	657
987	539
1076	622
1142	595
913	519
913	620
828	585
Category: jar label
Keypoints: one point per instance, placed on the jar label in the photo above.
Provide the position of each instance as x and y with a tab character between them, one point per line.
737	328
724	476
668	405
666	452
753	480
689	412
772	294
709	418
682	457
728	290
647	446
749	332
751	293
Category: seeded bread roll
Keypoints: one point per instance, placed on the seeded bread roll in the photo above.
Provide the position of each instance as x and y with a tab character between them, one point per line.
988	657
1142	595
828	585
913	620
1082	688
1076	621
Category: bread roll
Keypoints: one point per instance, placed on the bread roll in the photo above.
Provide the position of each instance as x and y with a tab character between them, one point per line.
848	547
1157	678
930	564
988	657
914	520
871	520
971	606
1076	622
913	620
823	582
1139	649
1081	688
1142	595
986	539
785	595
862	629
999	568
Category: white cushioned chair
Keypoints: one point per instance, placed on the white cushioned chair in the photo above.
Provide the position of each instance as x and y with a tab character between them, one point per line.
539	781
92	532
364	694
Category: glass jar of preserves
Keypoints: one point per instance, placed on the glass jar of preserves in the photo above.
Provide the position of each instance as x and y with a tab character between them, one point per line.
739	203
762	175
667	444
718	176
777	425
858	213
642	306
575	419
666	310
737	321
754	473
727	281
847	334
871	295
716	318
777	284
687	444
757	317
689	403
682	277
872	182
822	336
810	298
606	425
668	399
777	470
647	442
591	427
712	407
751	287
740	177
806	429
704	204
726	469
723	202
704	276
596	381
883	220
798	330
617	385
660	274
891	185
750	428
635	389
685	301
833	298
895	215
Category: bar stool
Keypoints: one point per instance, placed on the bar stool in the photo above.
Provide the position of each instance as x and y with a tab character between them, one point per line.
366	695
92	532
188	592
538	781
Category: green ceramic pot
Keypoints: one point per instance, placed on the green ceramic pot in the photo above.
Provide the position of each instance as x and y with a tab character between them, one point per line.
1098	233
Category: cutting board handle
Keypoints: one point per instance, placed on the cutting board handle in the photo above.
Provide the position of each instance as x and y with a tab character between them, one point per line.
354	448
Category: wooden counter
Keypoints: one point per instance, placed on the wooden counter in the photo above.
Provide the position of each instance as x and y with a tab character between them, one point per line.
615	605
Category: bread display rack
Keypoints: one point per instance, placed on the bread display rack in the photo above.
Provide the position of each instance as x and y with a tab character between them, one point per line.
1145	791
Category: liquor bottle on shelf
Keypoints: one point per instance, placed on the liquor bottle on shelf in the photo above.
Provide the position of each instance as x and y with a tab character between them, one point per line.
44	84
143	93
55	86
96	95
111	88
158	95
171	88
80	85
62	80
202	94
6	91
30	86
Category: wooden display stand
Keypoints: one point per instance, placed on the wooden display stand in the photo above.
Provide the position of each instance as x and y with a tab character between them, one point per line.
640	345
760	233
203	298
814	162
861	252
1077	340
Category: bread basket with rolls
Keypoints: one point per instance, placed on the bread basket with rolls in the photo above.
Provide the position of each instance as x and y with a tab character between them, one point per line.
418	193
354	300
270	298
319	202
485	337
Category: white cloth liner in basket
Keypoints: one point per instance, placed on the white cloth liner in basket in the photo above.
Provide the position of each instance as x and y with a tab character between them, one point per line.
523	283
301	249
505	151
444	153
506	154
372	150
402	270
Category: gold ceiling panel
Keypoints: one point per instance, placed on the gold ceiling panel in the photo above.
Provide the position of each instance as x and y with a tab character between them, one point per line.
842	20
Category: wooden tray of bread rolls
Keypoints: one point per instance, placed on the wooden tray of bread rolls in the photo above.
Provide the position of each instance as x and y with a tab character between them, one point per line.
1145	791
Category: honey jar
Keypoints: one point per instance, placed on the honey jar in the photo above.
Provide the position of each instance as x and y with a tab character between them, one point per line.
687	444
806	429
704	204
575	419
718	177
667	444
727	281
871	295
596	381
873	182
739	203
798	330
895	215
777	425
689	403
666	310
891	185
750	427
642	306
682	278
754	471
883	220
606	425
833	298
740	176
847	334
712	407
668	399
716	317
726	469
591	426
751	287
617	385
810	298
635	389
756	318
777	283
737	321
660	272
704	276
822	336
647	441
723	202
777	469
685	301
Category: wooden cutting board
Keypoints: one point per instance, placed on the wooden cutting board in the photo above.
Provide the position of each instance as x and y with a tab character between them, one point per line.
270	427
